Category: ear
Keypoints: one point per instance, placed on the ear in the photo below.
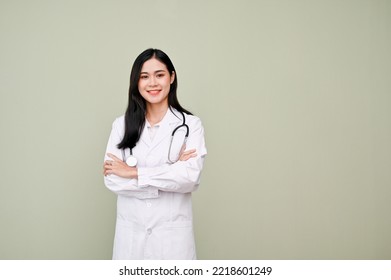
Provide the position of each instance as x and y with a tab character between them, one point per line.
172	77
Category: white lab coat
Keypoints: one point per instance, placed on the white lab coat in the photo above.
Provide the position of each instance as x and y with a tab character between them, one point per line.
154	212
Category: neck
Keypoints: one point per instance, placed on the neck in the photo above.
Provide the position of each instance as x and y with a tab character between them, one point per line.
155	113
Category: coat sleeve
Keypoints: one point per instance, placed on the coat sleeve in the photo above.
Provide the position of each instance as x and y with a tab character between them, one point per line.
182	176
119	185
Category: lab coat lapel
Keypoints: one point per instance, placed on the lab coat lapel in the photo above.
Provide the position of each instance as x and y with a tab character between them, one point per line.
144	137
167	125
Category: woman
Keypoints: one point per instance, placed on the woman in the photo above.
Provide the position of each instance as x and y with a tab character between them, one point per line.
154	210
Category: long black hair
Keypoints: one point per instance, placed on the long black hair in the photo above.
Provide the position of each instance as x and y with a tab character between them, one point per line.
136	111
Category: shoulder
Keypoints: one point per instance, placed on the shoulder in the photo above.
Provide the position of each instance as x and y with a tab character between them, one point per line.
119	120
119	124
189	119
194	123
192	119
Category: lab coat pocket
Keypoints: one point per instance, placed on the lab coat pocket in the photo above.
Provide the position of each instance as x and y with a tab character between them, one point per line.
178	241
124	241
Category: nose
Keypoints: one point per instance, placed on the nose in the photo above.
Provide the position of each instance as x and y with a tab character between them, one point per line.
152	81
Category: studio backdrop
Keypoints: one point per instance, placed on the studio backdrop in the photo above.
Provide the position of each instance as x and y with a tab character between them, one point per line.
295	97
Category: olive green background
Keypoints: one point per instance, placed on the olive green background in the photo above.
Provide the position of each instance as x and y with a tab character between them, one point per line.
295	97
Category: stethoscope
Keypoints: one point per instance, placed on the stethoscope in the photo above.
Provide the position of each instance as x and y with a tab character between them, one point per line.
132	161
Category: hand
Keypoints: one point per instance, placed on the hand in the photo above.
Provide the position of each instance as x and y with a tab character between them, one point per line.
117	167
185	155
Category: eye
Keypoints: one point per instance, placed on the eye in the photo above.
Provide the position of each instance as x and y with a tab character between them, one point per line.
160	75
143	77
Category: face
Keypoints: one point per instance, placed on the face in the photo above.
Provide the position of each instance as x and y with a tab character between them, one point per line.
154	83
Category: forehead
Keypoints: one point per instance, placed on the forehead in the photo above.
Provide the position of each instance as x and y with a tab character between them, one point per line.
153	65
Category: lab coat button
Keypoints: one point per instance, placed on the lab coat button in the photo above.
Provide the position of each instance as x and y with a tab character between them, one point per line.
149	231
149	204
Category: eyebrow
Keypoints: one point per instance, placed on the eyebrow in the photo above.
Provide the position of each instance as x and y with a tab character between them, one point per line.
157	71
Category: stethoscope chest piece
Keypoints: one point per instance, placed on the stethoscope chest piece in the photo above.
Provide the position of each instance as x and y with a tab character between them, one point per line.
131	161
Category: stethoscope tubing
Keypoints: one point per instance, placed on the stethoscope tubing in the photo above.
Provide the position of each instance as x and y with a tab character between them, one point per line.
173	134
171	140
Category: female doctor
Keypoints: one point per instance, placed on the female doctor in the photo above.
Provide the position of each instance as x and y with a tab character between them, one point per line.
153	162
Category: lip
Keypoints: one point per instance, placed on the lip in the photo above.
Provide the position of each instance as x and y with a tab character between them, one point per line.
154	92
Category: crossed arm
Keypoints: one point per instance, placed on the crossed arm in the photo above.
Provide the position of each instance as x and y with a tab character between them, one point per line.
145	182
118	167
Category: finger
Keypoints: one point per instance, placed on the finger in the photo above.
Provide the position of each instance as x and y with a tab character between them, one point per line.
109	162
190	156
108	167
186	157
113	157
189	151
107	172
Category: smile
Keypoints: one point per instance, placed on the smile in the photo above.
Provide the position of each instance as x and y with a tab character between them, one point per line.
153	92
